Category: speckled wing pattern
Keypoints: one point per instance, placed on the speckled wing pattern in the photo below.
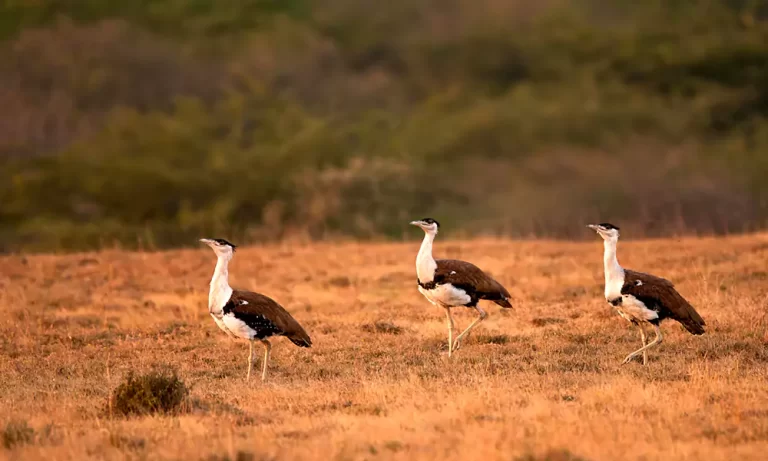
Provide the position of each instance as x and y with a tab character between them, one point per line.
660	295
266	317
470	278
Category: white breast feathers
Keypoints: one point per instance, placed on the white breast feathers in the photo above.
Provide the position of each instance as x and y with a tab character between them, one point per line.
613	287
446	295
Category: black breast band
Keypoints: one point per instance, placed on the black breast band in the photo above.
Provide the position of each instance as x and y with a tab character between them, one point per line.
427	286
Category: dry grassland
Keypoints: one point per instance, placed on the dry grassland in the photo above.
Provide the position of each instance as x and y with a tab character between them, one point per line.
542	381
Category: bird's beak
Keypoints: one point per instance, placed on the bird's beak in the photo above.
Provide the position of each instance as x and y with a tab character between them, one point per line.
417	223
206	241
597	229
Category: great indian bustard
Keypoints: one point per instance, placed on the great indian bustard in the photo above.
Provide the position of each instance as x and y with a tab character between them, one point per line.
452	283
245	314
642	298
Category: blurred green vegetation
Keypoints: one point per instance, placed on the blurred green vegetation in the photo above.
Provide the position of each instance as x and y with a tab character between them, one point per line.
153	123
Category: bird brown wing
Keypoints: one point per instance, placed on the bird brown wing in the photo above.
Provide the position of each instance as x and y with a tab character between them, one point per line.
245	304
652	290
471	279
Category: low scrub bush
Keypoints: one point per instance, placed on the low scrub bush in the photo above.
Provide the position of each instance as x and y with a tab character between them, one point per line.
153	393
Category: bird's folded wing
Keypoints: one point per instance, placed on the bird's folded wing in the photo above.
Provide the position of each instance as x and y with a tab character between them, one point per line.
462	274
248	303
662	291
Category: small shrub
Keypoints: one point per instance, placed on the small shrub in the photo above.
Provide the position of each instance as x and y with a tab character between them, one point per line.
17	433
154	392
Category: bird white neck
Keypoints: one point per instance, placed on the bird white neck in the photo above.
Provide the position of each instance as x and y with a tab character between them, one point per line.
425	263
614	274
220	291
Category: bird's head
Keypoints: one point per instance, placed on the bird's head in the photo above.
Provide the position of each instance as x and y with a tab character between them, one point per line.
429	225
607	231
220	246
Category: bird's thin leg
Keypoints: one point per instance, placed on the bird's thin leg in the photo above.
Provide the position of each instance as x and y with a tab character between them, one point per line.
483	315
450	330
250	362
643	339
657	340
267	350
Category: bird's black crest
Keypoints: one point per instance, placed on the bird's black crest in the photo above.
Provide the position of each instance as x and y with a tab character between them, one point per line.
224	242
431	221
608	225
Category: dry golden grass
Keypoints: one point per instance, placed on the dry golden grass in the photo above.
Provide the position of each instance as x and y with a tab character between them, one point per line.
540	382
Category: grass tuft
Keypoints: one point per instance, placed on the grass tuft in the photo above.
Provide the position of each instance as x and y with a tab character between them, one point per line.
544	321
493	339
17	433
386	328
341	281
239	456
554	455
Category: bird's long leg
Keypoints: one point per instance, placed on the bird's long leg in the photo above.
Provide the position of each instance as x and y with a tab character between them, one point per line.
267	350
643	339
250	362
450	330
483	315
657	340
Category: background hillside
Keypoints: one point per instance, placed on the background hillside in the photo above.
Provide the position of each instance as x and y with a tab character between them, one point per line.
150	123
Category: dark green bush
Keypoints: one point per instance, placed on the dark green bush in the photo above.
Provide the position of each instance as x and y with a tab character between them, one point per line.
349	118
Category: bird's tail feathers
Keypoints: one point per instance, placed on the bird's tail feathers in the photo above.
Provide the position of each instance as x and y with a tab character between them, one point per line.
301	339
693	321
694	325
503	302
